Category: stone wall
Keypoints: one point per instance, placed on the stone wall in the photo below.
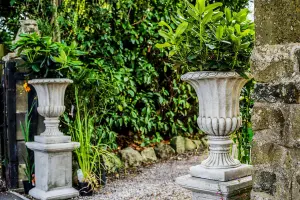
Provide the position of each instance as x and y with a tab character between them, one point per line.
276	112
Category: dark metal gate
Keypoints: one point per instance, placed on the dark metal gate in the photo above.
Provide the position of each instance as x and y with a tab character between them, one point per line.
10	157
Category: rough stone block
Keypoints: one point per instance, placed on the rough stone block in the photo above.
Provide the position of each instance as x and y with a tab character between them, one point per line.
149	155
261	196
271	63
21	151
266	152
131	157
189	145
272	93
264	181
164	151
292	129
277	21
20	117
21	98
268	116
178	143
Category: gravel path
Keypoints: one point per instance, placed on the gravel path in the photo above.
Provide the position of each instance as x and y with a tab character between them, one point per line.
155	182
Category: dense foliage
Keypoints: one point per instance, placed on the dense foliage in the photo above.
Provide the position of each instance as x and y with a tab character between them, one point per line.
126	80
208	39
45	58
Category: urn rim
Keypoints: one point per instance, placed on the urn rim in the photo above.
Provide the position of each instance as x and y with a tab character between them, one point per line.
50	80
211	74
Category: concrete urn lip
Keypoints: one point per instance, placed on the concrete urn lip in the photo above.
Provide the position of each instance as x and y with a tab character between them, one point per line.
219	114
51	92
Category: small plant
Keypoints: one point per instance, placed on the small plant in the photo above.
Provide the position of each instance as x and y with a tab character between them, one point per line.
209	39
92	155
29	166
46	58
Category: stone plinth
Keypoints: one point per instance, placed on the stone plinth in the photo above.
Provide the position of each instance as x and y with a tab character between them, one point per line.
204	189
53	173
221	174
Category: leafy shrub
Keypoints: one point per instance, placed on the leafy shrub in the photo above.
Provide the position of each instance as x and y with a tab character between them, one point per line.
46	58
125	78
209	39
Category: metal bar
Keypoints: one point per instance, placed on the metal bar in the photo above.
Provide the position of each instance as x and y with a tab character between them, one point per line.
12	169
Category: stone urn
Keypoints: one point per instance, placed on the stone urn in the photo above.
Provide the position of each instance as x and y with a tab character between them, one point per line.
51	94
52	150
219	116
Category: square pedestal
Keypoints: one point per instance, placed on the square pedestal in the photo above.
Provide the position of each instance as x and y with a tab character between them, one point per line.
221	174
53	170
204	189
54	194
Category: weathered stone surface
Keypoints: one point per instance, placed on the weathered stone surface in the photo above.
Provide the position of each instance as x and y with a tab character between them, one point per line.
149	155
275	156
189	145
20	118
21	173
269	63
261	196
277	21
265	181
21	151
275	66
164	151
272	93
178	143
131	157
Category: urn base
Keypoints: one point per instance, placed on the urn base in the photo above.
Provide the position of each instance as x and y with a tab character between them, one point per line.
221	174
204	189
66	193
52	139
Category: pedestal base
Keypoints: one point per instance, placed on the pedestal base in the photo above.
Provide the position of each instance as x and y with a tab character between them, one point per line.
221	174
52	140
53	170
54	194
204	189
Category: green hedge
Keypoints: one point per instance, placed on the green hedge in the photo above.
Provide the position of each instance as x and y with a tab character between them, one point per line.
136	90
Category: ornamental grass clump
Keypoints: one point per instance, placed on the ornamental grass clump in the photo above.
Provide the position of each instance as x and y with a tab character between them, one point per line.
208	39
92	155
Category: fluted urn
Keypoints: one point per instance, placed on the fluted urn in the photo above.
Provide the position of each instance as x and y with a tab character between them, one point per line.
219	116
51	93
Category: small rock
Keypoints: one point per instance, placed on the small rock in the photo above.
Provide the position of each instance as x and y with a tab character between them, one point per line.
164	151
178	143
204	142
198	144
149	155
189	145
131	157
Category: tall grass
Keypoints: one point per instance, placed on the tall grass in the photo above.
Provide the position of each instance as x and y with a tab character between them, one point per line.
92	155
